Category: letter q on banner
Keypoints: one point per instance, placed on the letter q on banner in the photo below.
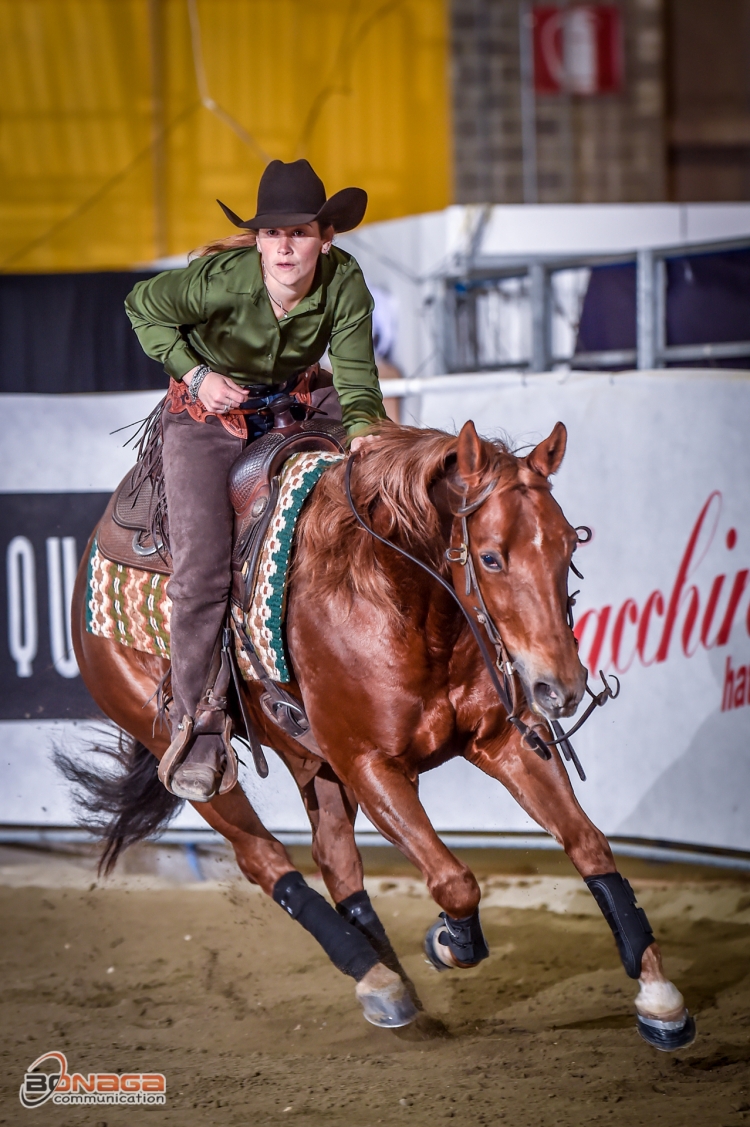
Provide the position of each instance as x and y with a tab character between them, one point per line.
23	632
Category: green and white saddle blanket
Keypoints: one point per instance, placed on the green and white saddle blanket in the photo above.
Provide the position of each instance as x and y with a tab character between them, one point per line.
133	607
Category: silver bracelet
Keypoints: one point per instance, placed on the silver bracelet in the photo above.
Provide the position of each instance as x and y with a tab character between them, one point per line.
198	377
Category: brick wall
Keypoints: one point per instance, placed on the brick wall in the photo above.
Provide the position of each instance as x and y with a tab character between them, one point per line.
592	150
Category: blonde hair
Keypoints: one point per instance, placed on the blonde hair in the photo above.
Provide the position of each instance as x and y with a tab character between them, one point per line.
232	242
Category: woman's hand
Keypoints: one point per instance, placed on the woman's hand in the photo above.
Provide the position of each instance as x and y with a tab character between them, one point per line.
218	393
363	442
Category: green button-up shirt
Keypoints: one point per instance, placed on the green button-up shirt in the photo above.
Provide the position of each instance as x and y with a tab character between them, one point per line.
217	311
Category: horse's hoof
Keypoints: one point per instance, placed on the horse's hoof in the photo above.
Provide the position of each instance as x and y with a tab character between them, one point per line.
385	1000
196	782
465	933
438	955
667	1035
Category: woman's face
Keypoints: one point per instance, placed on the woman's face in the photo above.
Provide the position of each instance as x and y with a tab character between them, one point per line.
290	254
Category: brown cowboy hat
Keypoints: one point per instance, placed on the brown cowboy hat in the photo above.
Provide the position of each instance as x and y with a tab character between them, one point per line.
294	193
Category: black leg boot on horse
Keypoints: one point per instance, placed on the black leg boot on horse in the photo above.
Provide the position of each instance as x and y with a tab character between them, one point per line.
383	995
662	1017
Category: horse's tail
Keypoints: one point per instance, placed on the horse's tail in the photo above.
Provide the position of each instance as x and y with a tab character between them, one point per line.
122	803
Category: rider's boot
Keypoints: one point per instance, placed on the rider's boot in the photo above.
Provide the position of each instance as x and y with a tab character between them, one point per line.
198	765
200	762
198	777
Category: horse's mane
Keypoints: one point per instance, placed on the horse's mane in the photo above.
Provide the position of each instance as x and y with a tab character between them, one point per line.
391	489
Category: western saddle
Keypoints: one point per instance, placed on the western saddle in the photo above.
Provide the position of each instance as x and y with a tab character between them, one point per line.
127	535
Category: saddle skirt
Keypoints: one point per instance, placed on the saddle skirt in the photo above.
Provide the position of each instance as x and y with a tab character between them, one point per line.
125	531
128	574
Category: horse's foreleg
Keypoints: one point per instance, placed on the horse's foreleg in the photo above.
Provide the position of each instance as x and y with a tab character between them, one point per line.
332	810
263	860
542	788
391	803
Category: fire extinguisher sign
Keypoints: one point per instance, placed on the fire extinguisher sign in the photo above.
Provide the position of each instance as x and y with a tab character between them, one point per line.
577	49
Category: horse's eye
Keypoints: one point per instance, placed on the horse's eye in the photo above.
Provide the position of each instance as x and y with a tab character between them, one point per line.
491	561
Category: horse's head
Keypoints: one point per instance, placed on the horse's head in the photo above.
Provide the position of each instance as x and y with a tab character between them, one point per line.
520	545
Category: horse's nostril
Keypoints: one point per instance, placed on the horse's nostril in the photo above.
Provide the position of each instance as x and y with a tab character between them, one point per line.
555	699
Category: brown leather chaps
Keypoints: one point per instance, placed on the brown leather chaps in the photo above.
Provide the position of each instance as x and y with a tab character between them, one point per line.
197	457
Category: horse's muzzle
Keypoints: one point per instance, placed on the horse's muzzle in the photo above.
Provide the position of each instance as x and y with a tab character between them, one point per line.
554	700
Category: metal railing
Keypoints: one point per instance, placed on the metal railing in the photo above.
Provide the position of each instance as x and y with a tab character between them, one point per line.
511	313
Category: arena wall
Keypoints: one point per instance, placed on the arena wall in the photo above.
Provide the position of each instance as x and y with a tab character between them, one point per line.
657	466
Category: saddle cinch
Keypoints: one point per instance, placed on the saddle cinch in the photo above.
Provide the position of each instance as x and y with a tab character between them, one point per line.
127	535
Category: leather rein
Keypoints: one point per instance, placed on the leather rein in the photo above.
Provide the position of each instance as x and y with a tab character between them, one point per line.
502	666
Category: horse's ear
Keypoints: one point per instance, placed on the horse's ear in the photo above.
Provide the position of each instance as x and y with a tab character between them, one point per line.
548	455
471	454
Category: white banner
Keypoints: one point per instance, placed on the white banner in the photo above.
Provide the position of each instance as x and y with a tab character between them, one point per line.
657	466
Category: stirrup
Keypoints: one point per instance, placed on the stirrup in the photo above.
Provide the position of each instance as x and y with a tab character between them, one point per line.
179	749
231	771
176	753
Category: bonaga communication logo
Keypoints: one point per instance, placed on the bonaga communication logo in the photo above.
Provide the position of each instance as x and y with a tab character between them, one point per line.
55	1083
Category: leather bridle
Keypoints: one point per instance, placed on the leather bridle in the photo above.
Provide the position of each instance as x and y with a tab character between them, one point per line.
506	689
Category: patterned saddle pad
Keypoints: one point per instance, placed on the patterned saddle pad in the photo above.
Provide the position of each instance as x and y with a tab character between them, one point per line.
133	606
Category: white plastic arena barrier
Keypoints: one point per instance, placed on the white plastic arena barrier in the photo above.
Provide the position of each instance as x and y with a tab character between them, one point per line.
657	465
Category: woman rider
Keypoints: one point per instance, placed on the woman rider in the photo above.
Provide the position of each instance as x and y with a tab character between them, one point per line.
249	317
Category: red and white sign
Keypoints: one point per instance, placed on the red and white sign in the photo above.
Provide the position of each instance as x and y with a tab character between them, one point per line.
578	49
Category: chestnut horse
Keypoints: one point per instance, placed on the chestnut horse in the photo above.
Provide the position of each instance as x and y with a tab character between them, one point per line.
394	684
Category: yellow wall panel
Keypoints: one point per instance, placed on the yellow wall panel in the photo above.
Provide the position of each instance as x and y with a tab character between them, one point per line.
108	158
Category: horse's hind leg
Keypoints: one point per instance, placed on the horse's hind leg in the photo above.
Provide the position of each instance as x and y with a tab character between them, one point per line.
543	789
122	682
